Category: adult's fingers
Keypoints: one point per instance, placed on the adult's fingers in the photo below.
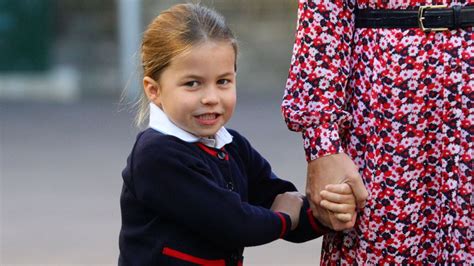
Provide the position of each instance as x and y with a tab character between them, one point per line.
343	217
358	188
337	197
336	207
343	188
338	225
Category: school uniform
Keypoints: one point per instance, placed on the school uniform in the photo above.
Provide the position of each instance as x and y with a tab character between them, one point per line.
193	201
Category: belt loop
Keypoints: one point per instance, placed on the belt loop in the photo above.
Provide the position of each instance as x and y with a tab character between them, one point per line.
456	16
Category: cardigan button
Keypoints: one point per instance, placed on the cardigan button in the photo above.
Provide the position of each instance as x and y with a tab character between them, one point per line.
221	155
230	186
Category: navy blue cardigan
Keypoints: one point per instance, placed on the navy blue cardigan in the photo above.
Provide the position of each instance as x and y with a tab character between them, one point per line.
188	204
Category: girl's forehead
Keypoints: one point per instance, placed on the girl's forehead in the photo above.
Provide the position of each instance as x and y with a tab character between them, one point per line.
206	47
220	54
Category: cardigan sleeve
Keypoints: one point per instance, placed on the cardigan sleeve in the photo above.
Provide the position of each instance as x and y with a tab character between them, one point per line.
264	186
173	182
314	98
308	228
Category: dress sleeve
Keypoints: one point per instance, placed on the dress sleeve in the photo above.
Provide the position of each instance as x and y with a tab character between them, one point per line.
314	99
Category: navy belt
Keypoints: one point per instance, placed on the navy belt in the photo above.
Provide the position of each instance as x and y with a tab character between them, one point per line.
427	18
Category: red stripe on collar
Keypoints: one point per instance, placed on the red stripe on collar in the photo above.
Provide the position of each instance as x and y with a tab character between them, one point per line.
213	152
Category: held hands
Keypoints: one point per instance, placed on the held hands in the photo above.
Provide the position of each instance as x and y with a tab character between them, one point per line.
339	200
289	203
331	170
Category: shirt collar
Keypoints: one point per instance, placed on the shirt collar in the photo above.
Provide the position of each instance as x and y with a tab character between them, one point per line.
159	121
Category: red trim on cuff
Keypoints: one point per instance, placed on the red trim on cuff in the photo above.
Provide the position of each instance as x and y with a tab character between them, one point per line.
189	258
314	224
284	225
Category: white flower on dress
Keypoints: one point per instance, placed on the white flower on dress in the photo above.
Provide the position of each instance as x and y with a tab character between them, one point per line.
406	74
412	118
398	193
399	226
413	50
383	43
412	84
326	38
397	159
454	148
396	58
413	152
414	217
452	184
379	212
439	69
324	84
409	241
449	219
313	51
456	41
307	86
330	51
396	126
456	77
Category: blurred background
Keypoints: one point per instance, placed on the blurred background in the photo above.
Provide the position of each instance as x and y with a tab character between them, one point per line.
68	76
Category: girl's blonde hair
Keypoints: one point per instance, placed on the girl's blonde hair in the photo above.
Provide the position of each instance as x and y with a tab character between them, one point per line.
173	32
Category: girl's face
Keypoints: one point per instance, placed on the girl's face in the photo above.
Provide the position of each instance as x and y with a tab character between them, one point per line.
197	90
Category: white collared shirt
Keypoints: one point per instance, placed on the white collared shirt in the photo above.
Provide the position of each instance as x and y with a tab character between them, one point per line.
159	121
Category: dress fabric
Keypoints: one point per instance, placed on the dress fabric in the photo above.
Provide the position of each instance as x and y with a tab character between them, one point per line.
400	104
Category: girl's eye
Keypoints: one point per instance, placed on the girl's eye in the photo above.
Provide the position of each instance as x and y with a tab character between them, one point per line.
223	81
193	83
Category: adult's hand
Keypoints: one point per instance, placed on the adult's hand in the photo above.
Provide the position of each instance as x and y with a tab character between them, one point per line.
333	169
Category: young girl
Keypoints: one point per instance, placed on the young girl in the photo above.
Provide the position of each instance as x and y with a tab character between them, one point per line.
195	192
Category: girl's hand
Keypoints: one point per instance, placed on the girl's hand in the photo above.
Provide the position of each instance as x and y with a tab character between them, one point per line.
289	203
340	200
333	169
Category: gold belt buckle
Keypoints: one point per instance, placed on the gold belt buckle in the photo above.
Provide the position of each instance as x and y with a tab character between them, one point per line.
421	17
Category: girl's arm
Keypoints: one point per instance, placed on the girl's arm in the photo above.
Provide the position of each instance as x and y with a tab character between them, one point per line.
173	182
264	186
337	199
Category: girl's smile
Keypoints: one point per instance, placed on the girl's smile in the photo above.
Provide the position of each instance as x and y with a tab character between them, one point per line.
197	90
208	119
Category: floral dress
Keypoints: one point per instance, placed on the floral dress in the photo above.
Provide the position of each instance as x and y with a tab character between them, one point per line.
400	104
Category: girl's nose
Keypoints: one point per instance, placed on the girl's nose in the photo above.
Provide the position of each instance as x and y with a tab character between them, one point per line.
210	96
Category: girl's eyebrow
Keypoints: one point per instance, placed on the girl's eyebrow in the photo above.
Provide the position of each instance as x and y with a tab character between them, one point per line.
191	76
227	74
194	76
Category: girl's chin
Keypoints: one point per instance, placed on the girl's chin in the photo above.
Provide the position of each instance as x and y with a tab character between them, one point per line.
201	132
206	134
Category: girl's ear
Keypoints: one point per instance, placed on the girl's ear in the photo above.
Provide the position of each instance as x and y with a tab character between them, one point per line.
152	90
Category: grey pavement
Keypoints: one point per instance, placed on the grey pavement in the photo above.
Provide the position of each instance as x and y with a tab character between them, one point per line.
60	180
